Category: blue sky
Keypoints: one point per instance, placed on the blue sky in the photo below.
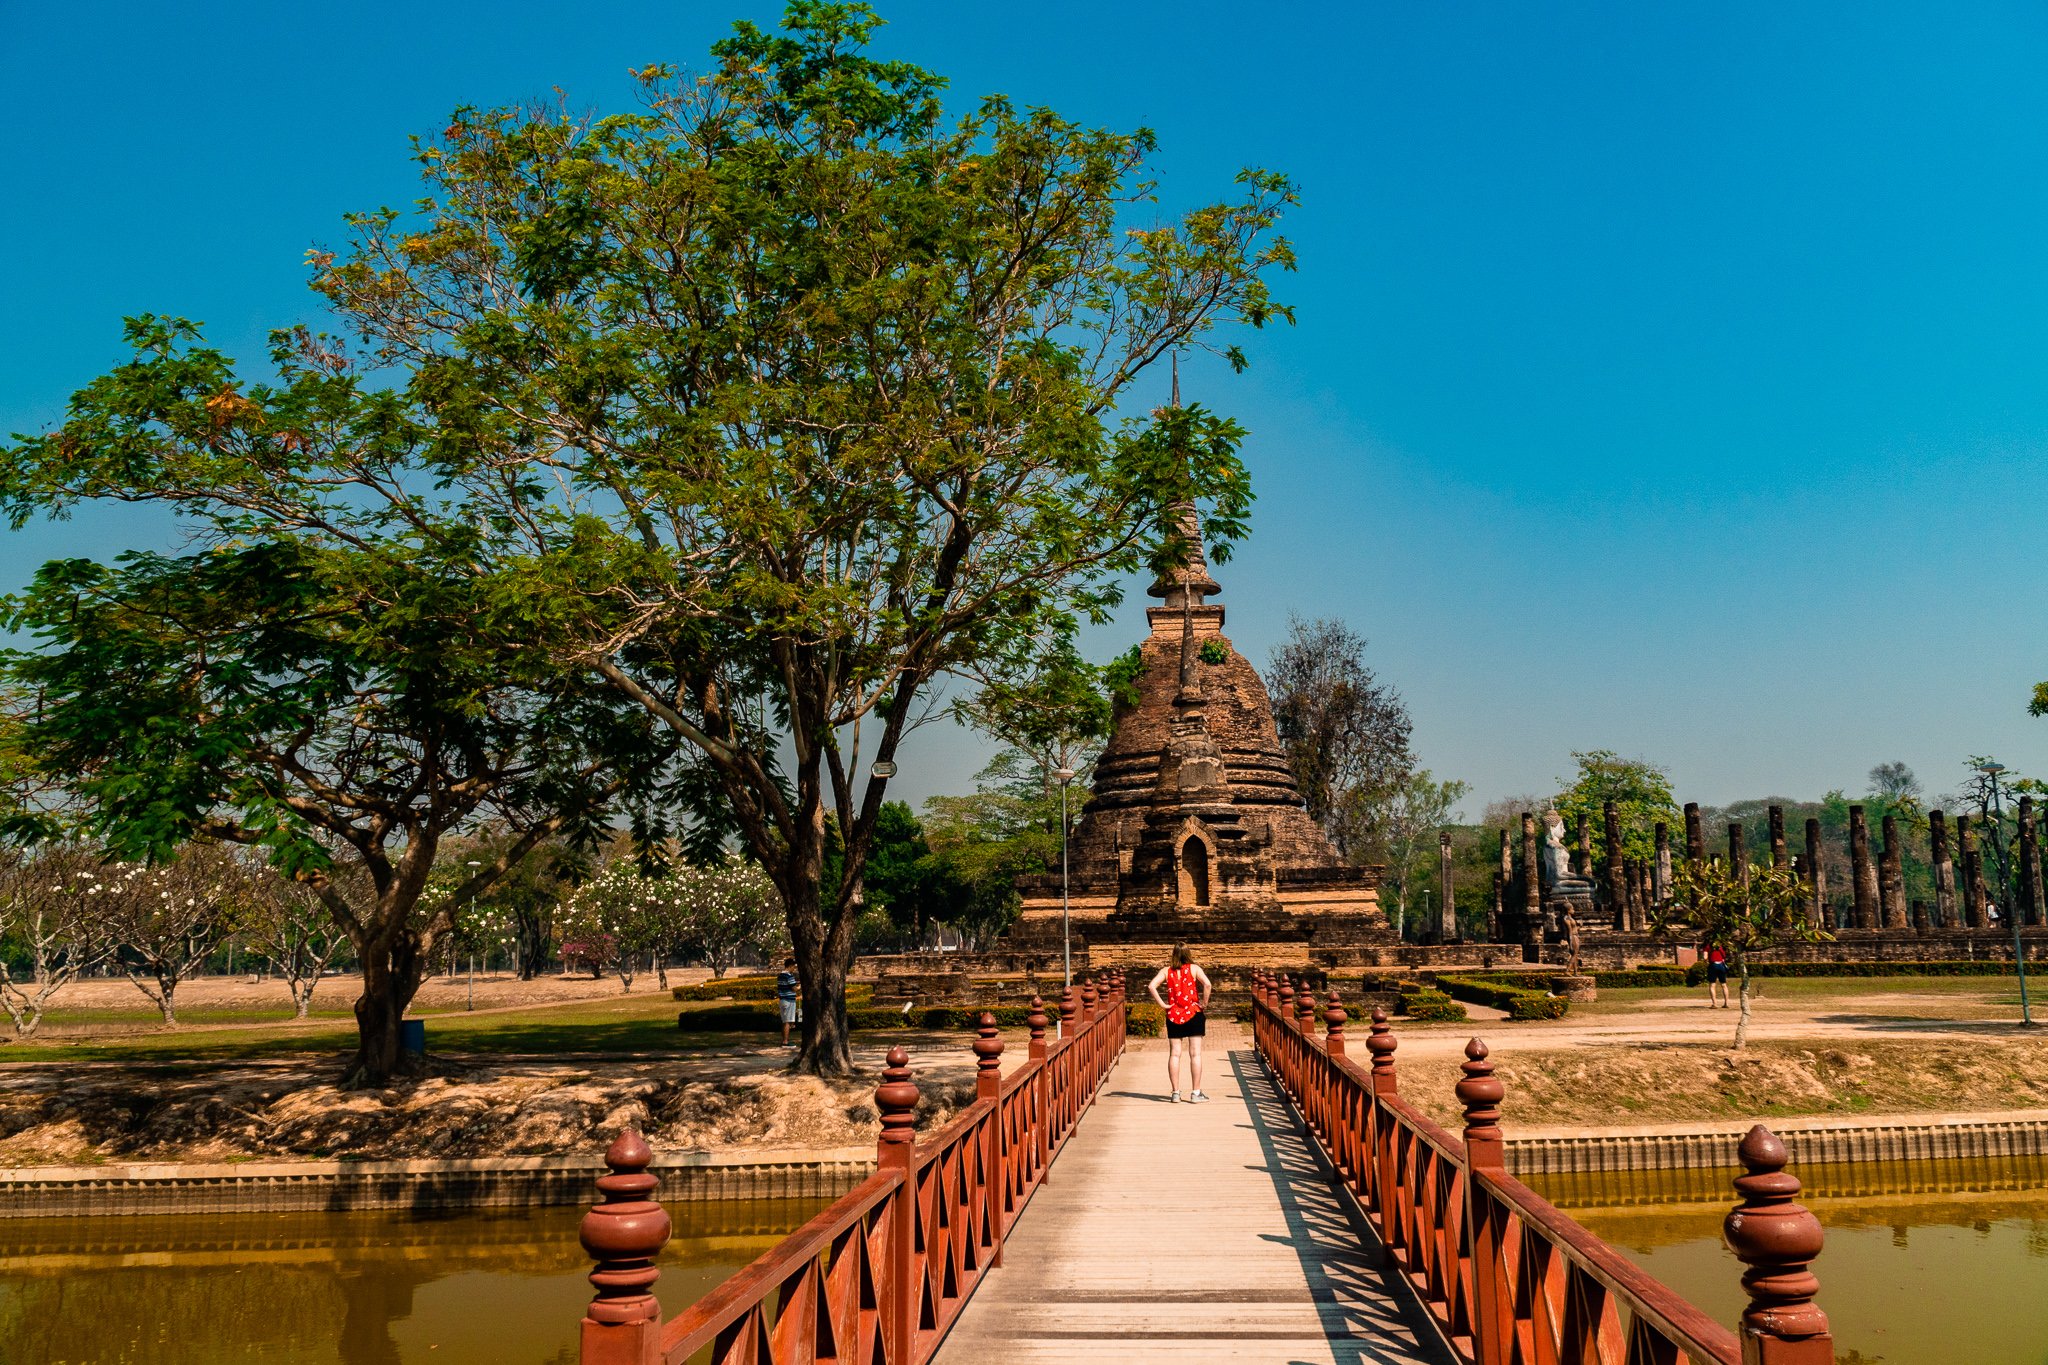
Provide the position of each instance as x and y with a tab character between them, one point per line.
1669	378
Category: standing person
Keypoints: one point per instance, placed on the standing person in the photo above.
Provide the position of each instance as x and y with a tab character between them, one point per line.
786	996
1187	1019
1717	975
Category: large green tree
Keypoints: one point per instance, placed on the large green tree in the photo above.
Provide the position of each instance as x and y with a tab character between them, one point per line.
807	394
762	408
1640	791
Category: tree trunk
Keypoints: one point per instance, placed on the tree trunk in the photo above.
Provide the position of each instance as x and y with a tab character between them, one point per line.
828	1041
302	999
1742	1016
391	976
166	1002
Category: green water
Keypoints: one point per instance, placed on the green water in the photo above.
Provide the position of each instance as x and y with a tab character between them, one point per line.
1925	1261
336	1288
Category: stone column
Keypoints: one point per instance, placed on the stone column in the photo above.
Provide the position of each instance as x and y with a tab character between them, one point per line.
1617	888
1816	879
1532	887
1738	855
1493	915
1660	885
1863	873
1504	892
2033	898
1891	877
1695	835
1973	874
1582	846
1919	916
1945	916
1447	921
1780	857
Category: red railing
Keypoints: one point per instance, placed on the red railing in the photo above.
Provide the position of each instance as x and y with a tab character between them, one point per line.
1509	1279
881	1275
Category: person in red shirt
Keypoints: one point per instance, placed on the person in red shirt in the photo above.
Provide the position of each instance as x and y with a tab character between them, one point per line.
1717	976
1187	1019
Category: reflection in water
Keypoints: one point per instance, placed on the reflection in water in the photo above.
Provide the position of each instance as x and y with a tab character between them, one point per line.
1925	1261
336	1289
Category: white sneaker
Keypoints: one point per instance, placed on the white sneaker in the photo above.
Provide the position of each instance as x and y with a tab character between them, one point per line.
1176	1097
1197	1097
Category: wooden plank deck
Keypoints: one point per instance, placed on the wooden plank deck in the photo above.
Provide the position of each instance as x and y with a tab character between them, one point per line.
1190	1233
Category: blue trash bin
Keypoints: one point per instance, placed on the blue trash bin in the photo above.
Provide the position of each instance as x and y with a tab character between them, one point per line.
412	1036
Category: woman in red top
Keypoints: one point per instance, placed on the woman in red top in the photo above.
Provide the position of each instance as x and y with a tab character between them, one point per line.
1187	1019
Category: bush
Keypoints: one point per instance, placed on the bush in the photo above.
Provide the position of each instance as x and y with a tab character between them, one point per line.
1424	1005
1640	977
1697	973
747	1016
1147	1020
738	1017
1519	1001
744	988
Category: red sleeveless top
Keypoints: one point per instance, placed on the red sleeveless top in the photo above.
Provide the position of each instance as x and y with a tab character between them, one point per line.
1183	995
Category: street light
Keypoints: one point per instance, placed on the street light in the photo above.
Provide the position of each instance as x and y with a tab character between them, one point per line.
1065	775
1996	814
472	957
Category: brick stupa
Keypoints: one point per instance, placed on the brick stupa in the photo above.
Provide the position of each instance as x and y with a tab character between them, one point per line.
1196	830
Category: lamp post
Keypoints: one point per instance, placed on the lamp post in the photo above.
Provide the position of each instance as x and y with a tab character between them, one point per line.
1425	906
1994	812
1065	775
472	956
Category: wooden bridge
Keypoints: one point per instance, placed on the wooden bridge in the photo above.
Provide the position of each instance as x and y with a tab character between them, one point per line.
1308	1214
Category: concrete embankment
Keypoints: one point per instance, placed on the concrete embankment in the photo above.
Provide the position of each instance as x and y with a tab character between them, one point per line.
417	1185
1812	1141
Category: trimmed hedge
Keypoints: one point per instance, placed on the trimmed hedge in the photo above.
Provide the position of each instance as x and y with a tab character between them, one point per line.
1146	1020
1697	973
1424	1005
756	988
1518	1001
1640	977
746	1016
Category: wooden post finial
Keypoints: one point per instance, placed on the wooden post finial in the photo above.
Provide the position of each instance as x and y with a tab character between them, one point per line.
1069	1012
988	1048
1777	1238
1285	998
1481	1092
1088	1010
1333	1024
1036	1022
1304	1004
623	1233
896	1098
1381	1044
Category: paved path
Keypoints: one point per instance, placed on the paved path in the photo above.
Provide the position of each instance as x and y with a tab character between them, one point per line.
1171	1232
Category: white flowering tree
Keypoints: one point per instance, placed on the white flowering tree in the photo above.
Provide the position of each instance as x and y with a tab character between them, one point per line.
615	920
164	921
287	923
725	910
46	937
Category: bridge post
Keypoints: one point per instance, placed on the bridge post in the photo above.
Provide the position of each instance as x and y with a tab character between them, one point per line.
1492	1291
1380	1042
624	1233
896	1098
1036	1021
1333	1020
988	1085
1777	1238
1304	1005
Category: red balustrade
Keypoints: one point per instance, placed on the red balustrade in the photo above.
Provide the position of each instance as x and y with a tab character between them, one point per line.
881	1275
1509	1278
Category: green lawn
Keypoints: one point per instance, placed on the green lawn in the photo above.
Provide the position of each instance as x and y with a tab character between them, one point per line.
643	1023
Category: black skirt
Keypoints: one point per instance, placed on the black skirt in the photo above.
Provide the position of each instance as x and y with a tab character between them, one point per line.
1194	1028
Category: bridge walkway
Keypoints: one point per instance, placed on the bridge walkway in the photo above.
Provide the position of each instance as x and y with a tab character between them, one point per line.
1191	1233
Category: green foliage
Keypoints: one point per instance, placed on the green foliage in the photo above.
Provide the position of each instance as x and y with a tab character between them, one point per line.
1641	792
1143	1019
1422	1004
1214	652
1120	678
1049	704
757	987
744	1015
1519	1001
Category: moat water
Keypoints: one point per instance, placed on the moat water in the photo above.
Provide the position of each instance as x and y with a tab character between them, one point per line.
336	1288
1925	1262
